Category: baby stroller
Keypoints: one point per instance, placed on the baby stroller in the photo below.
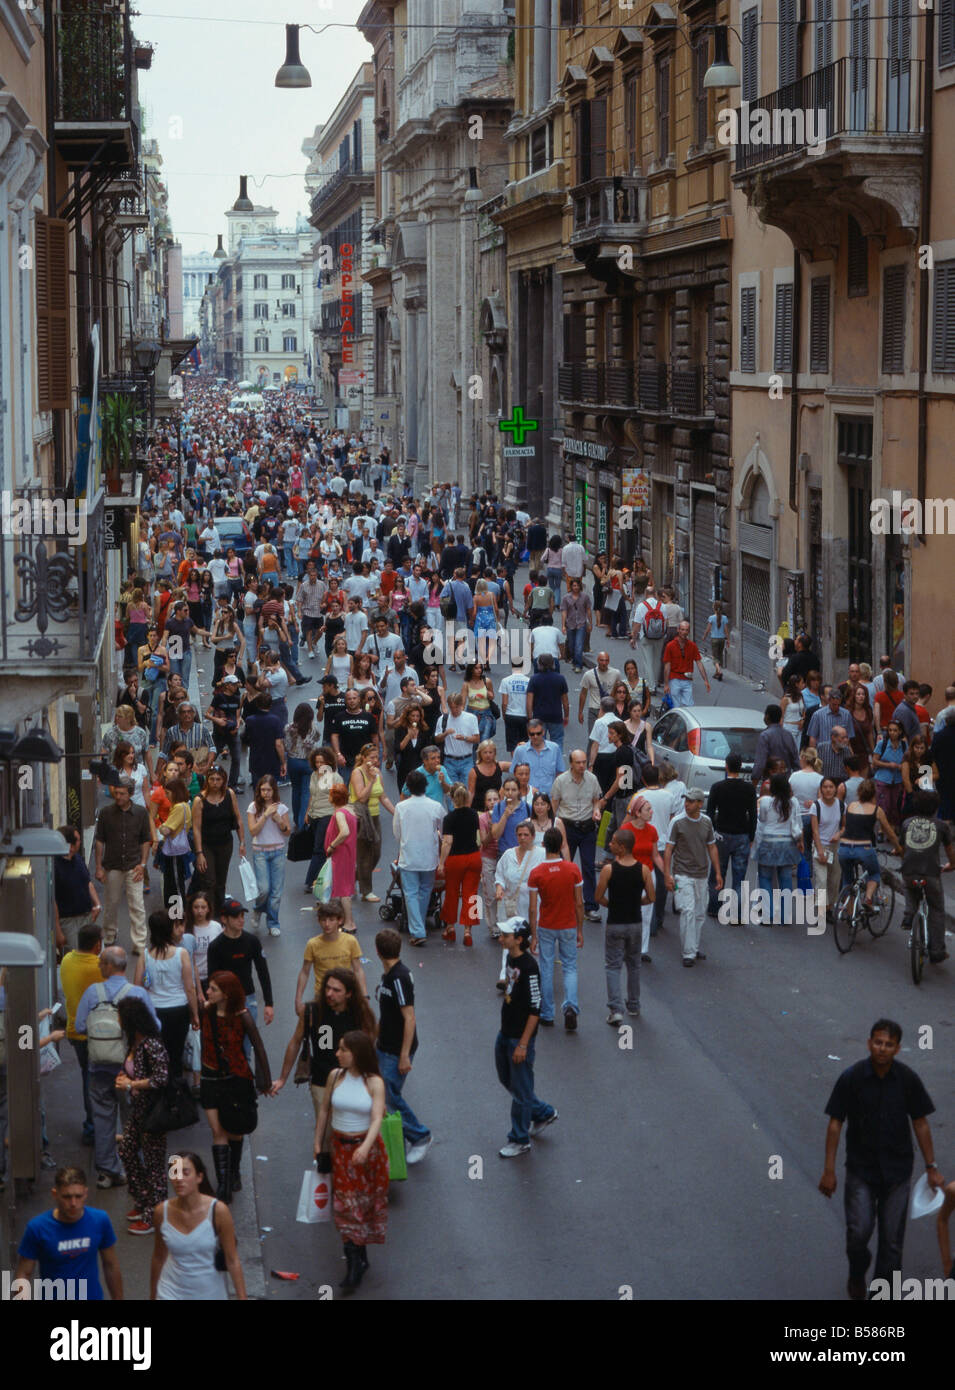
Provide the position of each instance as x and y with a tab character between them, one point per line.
393	909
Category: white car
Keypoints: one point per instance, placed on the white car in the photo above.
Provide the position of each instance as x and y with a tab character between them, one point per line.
696	739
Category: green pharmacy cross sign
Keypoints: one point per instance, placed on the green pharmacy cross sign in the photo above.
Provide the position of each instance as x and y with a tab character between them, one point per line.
517	426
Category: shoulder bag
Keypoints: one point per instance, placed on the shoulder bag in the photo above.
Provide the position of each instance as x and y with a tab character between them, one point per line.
303	1067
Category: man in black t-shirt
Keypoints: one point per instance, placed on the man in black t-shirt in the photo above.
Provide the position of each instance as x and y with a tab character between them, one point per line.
239	951
880	1098
223	713
353	729
329	706
398	1040
514	1047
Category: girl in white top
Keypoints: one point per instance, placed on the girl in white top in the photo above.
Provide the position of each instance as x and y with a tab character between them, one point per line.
187	1229
204	929
793	709
805	783
165	971
827	821
510	877
339	664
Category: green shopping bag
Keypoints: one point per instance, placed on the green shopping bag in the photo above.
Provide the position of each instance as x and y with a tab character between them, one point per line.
603	830
394	1141
322	887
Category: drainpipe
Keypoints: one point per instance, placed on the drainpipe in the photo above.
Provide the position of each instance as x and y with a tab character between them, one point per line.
925	228
49	75
794	393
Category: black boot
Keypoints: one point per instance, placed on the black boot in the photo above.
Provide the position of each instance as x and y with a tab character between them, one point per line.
361	1264
235	1156
363	1256
353	1273
220	1158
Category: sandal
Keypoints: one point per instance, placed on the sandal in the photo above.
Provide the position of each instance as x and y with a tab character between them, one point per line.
449	934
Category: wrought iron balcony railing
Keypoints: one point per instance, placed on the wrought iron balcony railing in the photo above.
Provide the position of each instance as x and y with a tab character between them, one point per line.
860	98
602	205
677	391
53	591
349	172
94	63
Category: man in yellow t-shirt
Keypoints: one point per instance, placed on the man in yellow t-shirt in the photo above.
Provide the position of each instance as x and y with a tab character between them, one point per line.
332	947
78	970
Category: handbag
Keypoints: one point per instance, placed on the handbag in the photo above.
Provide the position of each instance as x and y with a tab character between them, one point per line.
174	846
393	1138
303	1067
173	1108
494	708
300	845
250	887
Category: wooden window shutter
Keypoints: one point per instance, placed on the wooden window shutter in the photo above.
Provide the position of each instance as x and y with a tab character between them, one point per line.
632	122
783	330
583	142
747	330
52	269
857	261
893	319
788	46
663	108
701	58
819	325
750	76
823	33
946	33
598	137
567	12
943	319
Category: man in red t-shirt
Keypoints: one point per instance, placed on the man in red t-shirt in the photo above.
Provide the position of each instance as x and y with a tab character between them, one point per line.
556	914
679	658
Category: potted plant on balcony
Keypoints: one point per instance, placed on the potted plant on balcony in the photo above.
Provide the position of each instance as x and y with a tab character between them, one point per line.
120	418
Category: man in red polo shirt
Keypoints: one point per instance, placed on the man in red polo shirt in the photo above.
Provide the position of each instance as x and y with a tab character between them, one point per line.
556	902
679	658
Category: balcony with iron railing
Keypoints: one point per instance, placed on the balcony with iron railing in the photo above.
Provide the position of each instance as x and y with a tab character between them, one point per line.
53	589
349	181
665	389
94	115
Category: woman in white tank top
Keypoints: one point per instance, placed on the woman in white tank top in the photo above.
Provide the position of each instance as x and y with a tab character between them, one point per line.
166	972
352	1110
188	1228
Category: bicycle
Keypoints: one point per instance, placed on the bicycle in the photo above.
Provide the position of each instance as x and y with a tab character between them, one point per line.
852	914
918	937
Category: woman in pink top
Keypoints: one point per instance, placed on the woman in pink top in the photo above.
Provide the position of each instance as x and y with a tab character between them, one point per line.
341	847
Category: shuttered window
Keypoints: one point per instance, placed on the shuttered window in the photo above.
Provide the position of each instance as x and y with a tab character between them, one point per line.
783	330
788	43
819	325
571	13
946	33
943	318
582	129
663	107
893	319
701	110
750	76
631	109
857	261
52	269
747	329
598	137
823	33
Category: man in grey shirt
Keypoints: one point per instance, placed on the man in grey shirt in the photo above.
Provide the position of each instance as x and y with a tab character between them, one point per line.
773	742
690	851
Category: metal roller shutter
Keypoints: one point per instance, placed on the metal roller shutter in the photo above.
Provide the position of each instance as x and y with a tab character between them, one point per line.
755	616
703	554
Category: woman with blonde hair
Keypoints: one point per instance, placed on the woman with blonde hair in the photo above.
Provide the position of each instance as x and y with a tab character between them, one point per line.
486	774
366	796
489	854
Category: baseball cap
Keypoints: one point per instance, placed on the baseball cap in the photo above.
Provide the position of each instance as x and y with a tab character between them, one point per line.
229	680
329	680
696	794
231	907
515	926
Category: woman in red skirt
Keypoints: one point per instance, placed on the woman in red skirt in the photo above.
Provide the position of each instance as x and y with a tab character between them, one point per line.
355	1096
461	863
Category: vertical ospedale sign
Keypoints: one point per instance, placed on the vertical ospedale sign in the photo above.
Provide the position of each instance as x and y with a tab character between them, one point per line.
348	306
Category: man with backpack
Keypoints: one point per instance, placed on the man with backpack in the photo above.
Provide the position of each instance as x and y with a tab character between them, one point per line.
648	629
98	1018
539	602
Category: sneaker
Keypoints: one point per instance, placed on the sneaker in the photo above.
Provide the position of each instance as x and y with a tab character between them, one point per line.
275	931
570	1021
546	1023
634	1013
133	1215
371	898
688	963
593	915
419	941
308	888
645	959
47	1160
104	1180
140	1228
538	1125
514	1150
614	1016
937	960
700	955
416	1152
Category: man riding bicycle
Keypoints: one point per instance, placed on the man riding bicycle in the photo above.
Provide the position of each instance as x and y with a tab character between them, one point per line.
922	836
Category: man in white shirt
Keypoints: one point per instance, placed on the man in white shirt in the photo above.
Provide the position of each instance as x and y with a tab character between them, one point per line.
359	586
417	827
219	569
648	617
382	646
210	539
546	640
337	485
460	735
356	626
288	535
574	559
594	685
512	691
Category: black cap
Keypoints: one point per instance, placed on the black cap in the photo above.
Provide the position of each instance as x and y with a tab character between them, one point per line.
329	680
231	907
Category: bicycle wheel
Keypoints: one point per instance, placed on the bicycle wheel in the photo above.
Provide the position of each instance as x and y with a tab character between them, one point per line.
843	924
885	896
918	943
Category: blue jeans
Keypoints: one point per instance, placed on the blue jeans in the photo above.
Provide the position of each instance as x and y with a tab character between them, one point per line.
412	1128
291	565
859	854
681	691
586	842
458	769
575	645
299	773
868	1203
182	665
732	849
487	724
518	1078
555	731
554	581
784	873
269	865
251	637
563	944
416	885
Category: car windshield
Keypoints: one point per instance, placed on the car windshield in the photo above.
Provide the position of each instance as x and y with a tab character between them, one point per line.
718	743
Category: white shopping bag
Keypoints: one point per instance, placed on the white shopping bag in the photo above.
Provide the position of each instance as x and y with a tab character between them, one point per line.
250	887
315	1198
